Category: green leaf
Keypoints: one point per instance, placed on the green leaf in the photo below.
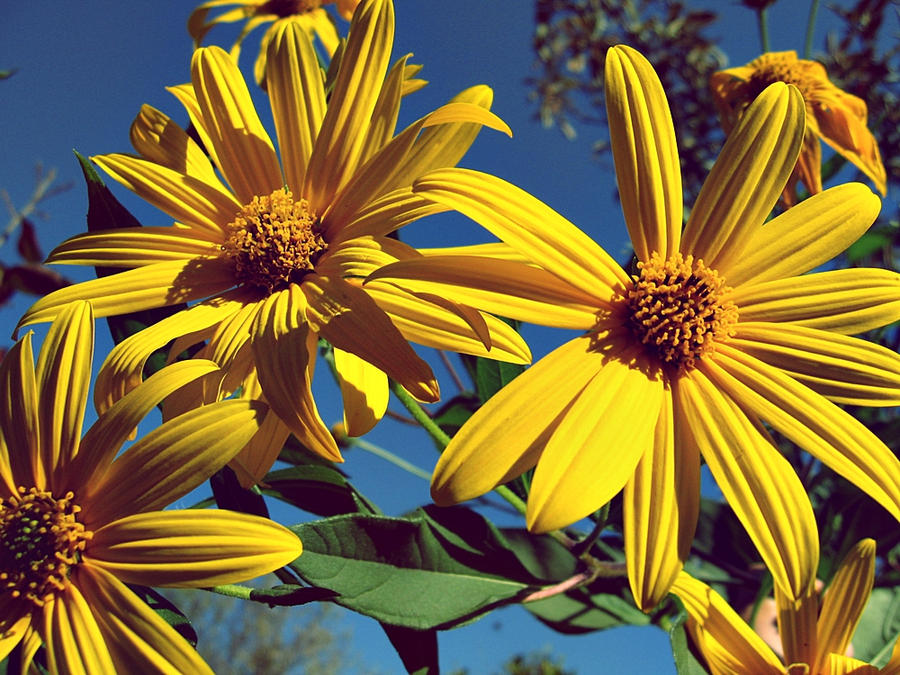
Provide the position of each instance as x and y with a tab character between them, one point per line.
491	376
879	625
685	661
403	572
543	556
584	609
104	213
167	611
866	245
454	413
289	595
229	494
418	649
6	74
318	489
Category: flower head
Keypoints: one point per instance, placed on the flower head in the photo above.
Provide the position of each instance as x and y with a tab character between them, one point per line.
832	115
718	332
309	14
276	253
815	635
78	522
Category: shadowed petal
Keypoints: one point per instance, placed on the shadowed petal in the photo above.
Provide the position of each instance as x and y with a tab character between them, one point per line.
844	369
598	442
192	548
730	646
806	235
349	319
73	639
243	148
364	389
848	301
812	422
19	423
529	225
746	179
253	462
63	376
797	626
846	598
660	505
139	640
17	621
642	137
281	351
505	287
294	83
756	480
157	285
388	213
136	247
171	460
525	414
185	198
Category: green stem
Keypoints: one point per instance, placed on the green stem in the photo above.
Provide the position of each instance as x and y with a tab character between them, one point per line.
378	451
420	415
762	17
810	28
585	544
232	591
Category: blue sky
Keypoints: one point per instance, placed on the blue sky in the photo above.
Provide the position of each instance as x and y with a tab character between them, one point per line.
85	68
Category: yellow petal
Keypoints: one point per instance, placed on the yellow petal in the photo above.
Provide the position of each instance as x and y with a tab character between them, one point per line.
112	428
342	136
188	98
746	179
426	323
192	548
642	137
598	441
74	641
349	319
253	462
660	505
187	199
844	369
242	146
294	83
734	648
63	376
19	422
848	301
171	460
529	225
806	235
797	626
157	285
846	598
159	139
280	349
812	422
364	389
136	247
756	480
523	414
388	213
17	624
505	287
387	108
139	640
838	664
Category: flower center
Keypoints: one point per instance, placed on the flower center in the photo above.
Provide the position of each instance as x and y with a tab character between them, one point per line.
274	241
40	540
676	308
288	7
771	71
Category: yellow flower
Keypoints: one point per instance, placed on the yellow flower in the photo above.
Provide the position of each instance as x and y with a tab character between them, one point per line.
277	258
713	335
78	522
814	636
308	13
833	115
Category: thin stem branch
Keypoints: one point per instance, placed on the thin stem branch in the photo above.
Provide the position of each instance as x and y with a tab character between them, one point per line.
762	17
420	415
232	591
378	451
450	369
41	192
810	28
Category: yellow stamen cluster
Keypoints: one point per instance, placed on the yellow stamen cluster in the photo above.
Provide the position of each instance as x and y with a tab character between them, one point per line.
274	241
676	308
40	540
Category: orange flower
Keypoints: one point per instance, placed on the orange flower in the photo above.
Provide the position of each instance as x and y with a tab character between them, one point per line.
833	115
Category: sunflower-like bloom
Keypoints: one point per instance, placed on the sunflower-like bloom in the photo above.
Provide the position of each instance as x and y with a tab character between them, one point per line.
814	635
277	258
833	115
309	14
713	335
78	522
